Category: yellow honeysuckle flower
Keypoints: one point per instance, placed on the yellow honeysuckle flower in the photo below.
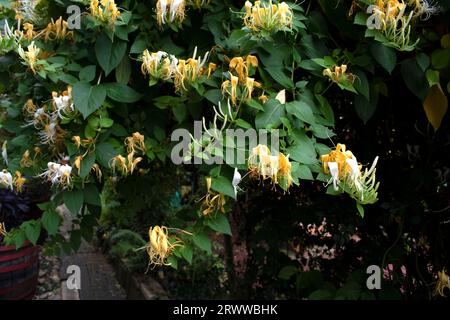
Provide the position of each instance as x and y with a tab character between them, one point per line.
160	246
77	163
57	30
30	57
119	163
77	141
19	181
338	74
97	171
159	65
135	142
269	18
26	162
442	283
3	231
105	11
276	168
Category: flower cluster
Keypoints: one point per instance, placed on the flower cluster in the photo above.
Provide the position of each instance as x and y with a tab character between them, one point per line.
160	246
269	18
58	173
31	56
106	11
339	75
213	201
240	85
393	19
346	174
46	118
13	183
163	66
277	168
127	165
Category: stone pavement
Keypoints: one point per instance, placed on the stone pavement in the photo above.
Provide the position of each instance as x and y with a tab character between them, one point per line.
98	279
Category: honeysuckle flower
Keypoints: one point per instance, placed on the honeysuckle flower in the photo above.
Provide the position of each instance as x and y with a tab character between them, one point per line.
158	65
6	179
334	171
119	163
268	17
48	134
250	85
5	152
263	98
135	142
132	162
37	119
339	74
106	11
190	71
424	8
442	283
29	108
211	68
3	231
242	66
63	103
29	33
26	10
346	173
213	201
30	57
277	168
26	162
77	163
97	171
58	174
19	181
236	180
57	30
170	11
76	141
392	19
160	247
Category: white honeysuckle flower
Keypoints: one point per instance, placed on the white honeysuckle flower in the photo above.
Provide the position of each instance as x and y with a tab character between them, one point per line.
236	180
6	179
48	134
334	171
63	105
174	7
5	152
59	174
163	4
355	173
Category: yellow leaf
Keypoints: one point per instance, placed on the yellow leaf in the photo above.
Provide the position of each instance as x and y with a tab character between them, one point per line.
435	106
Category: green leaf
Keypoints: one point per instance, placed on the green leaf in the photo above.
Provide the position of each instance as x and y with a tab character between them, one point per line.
270	117
325	109
301	110
219	223
279	76
361	83
186	252
360	209
92	195
87	74
121	92
304	172
223	185
213	95
243	124
202	241
106	122
123	70
104	152
302	150
50	221
87	99
73	200
32	229
415	78
366	108
287	272
109	54
86	165
384	55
